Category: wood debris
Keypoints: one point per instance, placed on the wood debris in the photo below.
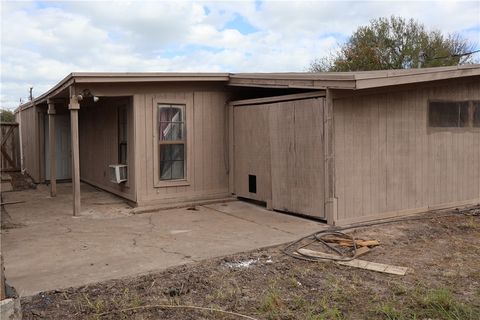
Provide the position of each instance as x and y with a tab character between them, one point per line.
374	266
346	242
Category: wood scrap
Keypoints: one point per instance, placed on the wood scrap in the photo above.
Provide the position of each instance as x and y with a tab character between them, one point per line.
374	266
361	251
345	242
318	254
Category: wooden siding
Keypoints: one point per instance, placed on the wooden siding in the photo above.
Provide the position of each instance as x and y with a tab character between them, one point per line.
389	162
282	144
30	142
252	151
10	147
206	145
98	137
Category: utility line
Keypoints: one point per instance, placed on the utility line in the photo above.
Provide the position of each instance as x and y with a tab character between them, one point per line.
456	55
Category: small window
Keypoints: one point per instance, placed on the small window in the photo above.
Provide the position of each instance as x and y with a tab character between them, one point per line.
448	114
171	129
122	135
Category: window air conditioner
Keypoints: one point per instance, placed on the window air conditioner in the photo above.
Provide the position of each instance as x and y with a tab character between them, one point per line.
118	173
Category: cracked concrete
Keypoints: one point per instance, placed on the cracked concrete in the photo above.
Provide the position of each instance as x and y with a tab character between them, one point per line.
50	249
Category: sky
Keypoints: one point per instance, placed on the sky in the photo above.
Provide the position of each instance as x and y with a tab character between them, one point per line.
43	41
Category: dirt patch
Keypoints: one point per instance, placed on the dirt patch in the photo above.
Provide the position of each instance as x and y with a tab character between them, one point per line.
266	284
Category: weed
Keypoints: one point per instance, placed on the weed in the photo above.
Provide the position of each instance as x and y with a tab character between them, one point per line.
388	310
440	303
472	223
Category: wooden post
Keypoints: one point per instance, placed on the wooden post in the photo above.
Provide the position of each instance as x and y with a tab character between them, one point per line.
51	137
329	154
74	106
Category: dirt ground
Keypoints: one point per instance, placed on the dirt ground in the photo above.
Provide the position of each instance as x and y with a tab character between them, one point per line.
443	253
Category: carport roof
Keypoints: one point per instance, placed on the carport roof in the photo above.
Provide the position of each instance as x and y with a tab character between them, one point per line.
302	80
352	80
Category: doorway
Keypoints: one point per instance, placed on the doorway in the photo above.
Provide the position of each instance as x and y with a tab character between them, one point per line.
278	151
63	147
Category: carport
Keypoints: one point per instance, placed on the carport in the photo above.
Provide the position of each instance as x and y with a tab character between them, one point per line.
45	248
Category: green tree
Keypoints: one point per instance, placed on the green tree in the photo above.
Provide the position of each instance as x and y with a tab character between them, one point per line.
396	43
6	116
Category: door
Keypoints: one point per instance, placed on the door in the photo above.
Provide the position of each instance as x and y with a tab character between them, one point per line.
62	151
278	151
297	162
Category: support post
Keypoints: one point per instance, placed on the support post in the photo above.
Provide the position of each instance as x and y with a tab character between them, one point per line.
52	146
74	106
329	154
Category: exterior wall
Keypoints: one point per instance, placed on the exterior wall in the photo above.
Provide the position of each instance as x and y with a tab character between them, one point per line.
98	139
389	162
252	151
206	145
282	145
29	128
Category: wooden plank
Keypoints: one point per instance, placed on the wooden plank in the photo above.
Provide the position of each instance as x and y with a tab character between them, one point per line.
288	97
374	266
318	254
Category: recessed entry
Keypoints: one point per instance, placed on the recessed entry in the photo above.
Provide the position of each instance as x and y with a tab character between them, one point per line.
252	183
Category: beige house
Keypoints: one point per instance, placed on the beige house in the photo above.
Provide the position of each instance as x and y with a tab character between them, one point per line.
341	147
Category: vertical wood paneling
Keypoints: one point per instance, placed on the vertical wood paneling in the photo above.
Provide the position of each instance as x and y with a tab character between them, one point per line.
30	134
98	144
388	160
206	146
252	151
282	144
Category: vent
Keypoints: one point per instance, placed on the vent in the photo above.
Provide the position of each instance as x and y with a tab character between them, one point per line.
252	183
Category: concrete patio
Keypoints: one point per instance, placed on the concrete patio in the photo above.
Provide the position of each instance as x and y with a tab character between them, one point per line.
46	248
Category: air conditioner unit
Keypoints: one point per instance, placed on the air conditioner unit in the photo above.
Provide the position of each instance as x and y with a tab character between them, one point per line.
118	173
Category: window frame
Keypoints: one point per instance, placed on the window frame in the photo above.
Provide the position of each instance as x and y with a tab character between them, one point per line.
122	108
468	127
188	139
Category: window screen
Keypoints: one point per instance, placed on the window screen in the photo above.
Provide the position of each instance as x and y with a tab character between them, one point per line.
171	128
122	135
476	114
448	114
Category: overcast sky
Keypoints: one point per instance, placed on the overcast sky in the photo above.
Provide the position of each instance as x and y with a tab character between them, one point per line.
43	41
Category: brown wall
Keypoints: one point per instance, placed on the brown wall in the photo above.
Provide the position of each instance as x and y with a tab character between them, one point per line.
98	135
206	153
388	162
282	145
29	123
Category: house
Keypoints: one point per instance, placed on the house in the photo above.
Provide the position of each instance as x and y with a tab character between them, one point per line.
341	147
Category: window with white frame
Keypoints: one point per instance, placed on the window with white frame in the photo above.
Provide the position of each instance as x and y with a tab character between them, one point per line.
172	140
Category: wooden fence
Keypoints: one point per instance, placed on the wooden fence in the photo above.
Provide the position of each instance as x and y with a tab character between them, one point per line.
9	147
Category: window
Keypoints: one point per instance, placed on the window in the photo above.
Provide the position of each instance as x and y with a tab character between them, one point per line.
448	114
476	114
171	129
122	135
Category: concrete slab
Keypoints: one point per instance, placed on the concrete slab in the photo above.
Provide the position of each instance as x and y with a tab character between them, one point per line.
49	249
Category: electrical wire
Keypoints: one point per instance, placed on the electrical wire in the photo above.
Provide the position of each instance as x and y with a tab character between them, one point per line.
292	249
455	55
